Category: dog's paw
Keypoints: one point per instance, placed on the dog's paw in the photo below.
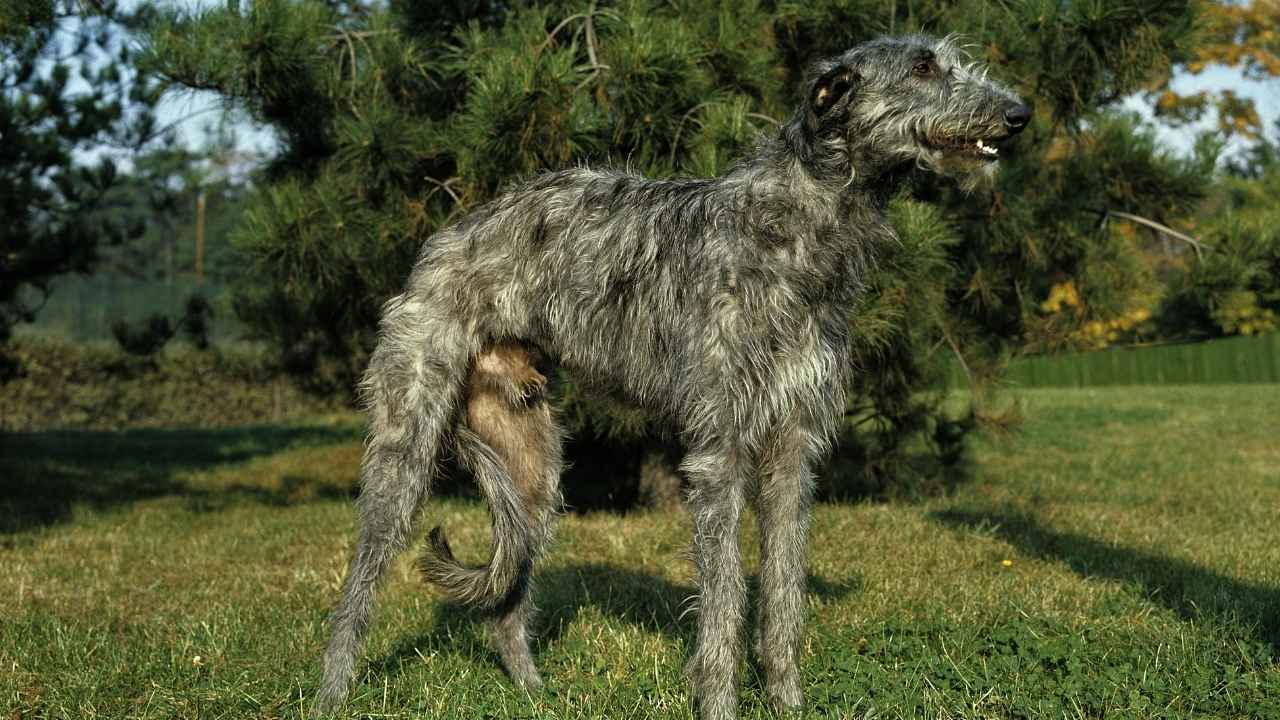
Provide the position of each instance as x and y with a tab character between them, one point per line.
785	698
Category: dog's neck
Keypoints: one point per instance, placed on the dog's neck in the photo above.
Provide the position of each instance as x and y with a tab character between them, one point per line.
843	215
842	197
846	165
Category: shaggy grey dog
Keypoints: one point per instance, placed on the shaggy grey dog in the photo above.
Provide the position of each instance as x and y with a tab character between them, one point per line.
720	304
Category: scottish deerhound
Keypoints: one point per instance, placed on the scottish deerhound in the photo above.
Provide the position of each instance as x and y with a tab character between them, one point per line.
719	304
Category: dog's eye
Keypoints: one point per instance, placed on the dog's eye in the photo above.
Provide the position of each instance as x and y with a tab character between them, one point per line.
923	69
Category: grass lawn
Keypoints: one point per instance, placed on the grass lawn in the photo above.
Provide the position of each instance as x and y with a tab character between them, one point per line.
1119	557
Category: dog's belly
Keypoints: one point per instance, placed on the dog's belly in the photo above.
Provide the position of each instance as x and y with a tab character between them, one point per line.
640	353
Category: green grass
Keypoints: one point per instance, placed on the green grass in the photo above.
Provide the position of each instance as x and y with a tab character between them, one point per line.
1239	359
1118	558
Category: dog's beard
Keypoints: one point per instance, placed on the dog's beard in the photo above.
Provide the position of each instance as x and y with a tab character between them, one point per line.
971	173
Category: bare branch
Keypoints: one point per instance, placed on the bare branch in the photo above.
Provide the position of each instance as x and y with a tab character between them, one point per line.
444	186
946	335
675	141
551	36
1196	245
762	116
589	30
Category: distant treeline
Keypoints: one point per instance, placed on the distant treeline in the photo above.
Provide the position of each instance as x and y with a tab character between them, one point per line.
84	308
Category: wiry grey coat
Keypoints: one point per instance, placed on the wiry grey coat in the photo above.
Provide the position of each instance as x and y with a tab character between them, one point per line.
720	304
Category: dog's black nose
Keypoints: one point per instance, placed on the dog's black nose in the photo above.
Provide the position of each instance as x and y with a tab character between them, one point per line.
1017	117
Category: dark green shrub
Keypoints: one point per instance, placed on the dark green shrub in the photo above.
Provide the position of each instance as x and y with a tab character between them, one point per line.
65	385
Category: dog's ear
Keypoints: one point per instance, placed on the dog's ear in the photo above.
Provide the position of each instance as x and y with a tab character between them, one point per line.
831	87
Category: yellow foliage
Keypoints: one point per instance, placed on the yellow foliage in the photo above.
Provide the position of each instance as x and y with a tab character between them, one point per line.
1097	334
1239	312
1241	35
1062	294
1059	149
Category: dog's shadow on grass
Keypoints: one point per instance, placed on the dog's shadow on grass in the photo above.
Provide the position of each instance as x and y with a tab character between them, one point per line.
1190	591
566	594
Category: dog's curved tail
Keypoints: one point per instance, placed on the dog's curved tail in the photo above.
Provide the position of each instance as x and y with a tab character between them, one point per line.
511	445
514	545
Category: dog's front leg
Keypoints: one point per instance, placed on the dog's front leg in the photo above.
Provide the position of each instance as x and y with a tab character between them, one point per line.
717	480
782	509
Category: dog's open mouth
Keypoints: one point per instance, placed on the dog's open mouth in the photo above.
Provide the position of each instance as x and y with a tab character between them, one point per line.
981	148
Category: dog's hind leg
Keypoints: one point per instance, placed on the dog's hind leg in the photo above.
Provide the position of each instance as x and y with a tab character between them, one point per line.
512	446
411	390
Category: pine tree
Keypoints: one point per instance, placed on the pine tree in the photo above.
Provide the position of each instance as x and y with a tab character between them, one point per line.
397	120
1232	287
1241	35
67	87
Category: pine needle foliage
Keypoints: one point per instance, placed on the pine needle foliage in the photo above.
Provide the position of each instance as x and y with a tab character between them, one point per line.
1234	287
397	118
71	102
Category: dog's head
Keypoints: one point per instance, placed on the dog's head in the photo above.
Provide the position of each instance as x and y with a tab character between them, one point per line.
914	99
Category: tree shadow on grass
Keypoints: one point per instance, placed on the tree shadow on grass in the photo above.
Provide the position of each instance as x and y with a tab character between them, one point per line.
563	592
1189	590
44	475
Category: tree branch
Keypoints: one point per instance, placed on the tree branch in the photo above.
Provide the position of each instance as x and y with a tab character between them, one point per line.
1198	246
946	335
